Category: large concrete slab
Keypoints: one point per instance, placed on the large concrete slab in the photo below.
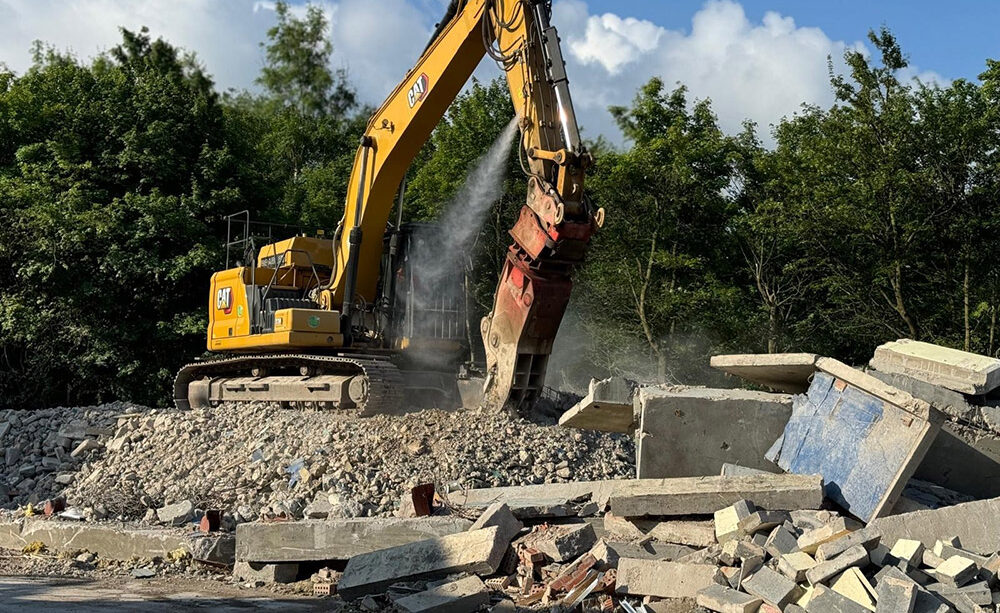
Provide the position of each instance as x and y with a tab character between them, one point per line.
963	458
607	407
664	579
784	372
115	541
476	551
693	432
976	524
337	539
864	437
705	495
678	496
957	370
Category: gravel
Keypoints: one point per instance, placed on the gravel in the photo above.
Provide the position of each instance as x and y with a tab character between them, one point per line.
256	461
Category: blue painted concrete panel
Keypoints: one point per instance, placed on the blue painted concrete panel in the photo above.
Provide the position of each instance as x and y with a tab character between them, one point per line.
856	441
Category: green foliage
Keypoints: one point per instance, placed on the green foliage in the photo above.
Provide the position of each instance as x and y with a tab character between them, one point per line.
297	73
866	221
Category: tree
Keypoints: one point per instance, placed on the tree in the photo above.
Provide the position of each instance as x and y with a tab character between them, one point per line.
297	73
656	266
115	175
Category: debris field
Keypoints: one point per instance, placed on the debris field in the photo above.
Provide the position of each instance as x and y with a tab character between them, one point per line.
839	489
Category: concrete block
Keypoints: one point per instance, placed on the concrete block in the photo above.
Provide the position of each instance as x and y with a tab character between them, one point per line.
895	596
561	542
854	585
833	530
759	521
693	533
781	541
727	600
479	551
785	372
977	525
878	434
771	587
824	571
266	573
978	593
926	602
498	514
964	372
176	514
705	495
607	406
830	549
956	571
462	596
825	600
336	539
622	529
727	520
665	579
693	432
794	565
607	553
945	400
989	570
909	551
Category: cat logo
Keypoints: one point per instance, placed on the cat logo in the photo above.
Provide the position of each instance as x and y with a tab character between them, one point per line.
224	300
418	90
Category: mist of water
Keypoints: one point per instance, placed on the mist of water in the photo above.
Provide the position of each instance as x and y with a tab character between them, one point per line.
463	217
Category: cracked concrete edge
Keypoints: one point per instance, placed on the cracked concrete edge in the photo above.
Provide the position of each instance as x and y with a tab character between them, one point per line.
115	541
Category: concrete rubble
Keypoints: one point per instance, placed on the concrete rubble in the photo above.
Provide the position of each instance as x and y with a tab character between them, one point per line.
848	491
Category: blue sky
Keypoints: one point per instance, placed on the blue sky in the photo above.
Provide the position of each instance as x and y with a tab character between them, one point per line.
755	59
952	38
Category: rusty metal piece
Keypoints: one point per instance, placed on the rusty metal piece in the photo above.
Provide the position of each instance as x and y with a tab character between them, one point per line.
211	521
423	499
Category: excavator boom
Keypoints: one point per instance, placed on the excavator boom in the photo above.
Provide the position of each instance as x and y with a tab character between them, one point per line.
319	322
553	229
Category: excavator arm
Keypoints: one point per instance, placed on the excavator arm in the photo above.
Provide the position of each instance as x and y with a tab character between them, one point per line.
553	229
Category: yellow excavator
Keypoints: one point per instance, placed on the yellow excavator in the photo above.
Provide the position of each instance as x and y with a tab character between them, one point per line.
346	322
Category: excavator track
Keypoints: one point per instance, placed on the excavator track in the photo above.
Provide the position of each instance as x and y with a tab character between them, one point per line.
382	389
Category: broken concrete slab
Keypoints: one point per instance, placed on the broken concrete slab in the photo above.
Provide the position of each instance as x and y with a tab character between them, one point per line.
607	407
705	495
785	372
694	431
975	451
266	573
116	541
976	524
462	596
825	600
561	542
964	372
895	596
498	514
678	496
479	551
877	434
771	587
724	599
949	402
336	539
665	579
693	533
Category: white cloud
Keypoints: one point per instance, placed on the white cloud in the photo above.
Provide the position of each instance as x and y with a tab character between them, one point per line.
761	71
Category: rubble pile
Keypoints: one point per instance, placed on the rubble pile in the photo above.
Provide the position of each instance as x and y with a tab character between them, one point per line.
257	460
43	450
